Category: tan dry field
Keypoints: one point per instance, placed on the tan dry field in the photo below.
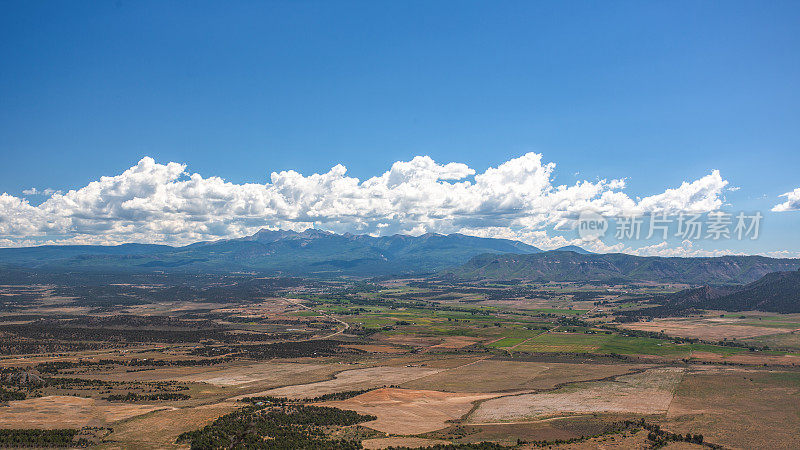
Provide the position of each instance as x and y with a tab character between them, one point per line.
455	342
379	443
749	359
407	411
160	429
739	408
435	361
352	380
237	374
649	392
408	339
713	329
789	341
58	411
503	376
269	372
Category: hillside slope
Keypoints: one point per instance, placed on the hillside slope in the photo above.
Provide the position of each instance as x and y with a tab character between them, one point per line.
572	266
774	292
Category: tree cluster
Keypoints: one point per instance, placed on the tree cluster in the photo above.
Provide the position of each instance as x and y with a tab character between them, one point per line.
41	438
276	427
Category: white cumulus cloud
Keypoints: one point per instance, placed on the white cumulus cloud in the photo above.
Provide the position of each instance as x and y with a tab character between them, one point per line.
792	202
35	191
163	203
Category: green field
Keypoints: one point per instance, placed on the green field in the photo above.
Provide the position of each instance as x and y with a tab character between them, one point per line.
624	345
557	342
564	342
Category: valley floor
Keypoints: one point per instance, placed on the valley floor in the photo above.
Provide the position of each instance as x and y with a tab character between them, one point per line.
458	367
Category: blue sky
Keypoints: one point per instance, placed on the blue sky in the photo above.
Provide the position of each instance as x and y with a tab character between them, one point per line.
655	93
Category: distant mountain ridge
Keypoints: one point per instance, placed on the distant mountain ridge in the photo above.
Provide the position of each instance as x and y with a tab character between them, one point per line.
276	252
572	266
321	253
574	248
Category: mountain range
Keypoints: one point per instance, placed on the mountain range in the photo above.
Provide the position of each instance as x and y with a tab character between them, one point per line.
320	253
311	252
611	267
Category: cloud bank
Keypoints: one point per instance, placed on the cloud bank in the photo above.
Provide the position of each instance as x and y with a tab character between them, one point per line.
163	203
792	202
